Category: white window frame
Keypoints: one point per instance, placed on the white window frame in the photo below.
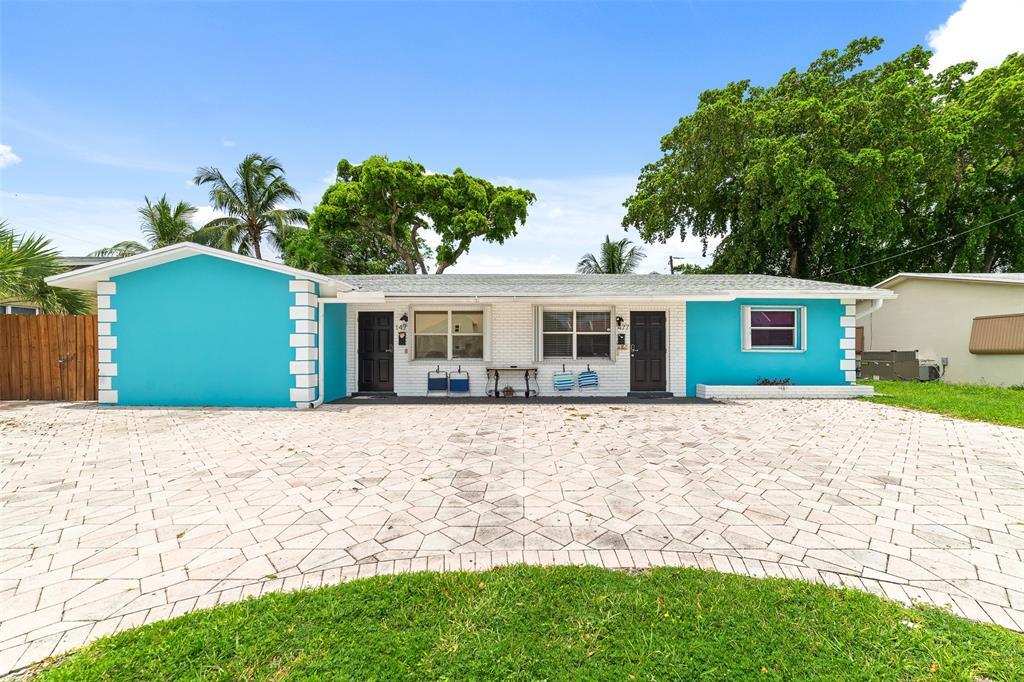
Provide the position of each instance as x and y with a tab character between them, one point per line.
800	328
485	334
7	309
540	333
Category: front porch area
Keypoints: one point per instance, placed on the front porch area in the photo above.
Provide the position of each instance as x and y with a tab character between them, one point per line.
567	350
392	399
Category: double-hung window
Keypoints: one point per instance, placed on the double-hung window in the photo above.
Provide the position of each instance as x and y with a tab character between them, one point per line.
774	328
576	333
448	334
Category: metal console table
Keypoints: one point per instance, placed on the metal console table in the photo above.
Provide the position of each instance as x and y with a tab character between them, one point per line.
528	375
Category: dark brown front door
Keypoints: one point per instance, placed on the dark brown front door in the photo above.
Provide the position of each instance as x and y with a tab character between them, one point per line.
376	354
647	351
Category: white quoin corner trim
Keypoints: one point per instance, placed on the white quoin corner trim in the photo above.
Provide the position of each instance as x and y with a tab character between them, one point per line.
304	366
848	341
106	342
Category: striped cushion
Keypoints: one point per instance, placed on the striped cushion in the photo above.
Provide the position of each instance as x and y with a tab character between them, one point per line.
588	379
564	381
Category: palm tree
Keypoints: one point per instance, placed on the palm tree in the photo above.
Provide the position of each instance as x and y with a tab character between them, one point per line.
162	224
24	262
615	258
251	204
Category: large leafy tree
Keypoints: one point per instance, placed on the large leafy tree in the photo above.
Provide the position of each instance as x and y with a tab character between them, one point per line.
387	208
252	201
614	258
343	252
162	225
25	261
839	166
985	190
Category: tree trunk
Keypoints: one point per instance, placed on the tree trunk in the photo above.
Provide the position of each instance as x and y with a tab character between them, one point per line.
456	254
254	237
990	252
798	241
794	255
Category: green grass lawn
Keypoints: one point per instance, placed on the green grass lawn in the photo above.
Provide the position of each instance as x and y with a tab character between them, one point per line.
966	401
561	623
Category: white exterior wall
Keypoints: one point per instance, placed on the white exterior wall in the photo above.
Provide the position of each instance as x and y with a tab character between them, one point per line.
934	317
511	339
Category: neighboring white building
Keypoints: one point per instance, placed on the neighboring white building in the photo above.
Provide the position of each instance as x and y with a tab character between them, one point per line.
975	320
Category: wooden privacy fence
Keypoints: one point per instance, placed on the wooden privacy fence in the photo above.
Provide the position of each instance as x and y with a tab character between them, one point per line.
48	357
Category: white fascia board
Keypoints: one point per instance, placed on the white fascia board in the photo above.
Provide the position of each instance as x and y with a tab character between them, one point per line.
355	296
86	278
412	299
838	294
964	278
898	277
597	299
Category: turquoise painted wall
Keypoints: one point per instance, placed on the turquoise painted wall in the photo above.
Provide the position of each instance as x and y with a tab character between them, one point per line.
714	346
335	358
203	331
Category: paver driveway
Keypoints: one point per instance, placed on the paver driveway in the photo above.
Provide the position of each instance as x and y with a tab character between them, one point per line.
116	517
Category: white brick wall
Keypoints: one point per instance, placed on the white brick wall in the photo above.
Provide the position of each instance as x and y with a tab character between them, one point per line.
512	343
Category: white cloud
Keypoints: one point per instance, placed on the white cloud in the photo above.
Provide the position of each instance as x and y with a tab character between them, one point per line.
571	217
493	263
205	214
76	225
7	156
984	31
88	153
80	225
228	143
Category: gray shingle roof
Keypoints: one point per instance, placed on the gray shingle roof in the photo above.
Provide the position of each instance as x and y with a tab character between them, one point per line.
587	285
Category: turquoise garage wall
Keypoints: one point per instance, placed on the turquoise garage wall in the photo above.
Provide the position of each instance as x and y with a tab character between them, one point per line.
335	343
714	346
203	331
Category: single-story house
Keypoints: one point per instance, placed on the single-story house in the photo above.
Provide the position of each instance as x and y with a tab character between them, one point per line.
192	325
970	325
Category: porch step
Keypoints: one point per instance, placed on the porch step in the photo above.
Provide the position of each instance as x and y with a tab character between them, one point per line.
653	395
370	395
742	392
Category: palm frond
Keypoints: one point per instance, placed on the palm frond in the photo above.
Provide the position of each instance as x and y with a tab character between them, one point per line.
221	233
26	253
25	262
121	250
589	265
252	199
57	300
614	258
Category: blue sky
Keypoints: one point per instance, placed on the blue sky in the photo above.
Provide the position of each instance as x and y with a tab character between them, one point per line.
105	103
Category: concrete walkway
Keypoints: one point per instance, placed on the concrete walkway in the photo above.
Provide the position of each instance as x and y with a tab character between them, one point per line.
111	518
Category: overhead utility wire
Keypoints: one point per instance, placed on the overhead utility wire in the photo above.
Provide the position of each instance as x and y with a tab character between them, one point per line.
925	246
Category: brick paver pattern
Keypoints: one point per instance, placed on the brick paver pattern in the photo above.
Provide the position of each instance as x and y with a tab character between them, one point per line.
112	518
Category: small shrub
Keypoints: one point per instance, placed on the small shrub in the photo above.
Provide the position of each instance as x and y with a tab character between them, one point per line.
771	381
